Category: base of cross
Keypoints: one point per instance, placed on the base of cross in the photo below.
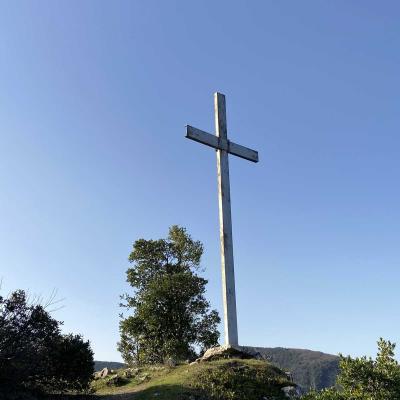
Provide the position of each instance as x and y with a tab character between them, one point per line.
228	351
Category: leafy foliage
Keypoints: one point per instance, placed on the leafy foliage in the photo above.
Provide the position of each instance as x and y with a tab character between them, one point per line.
171	315
236	380
365	378
34	355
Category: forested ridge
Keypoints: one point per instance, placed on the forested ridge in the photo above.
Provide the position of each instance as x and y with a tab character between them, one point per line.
309	369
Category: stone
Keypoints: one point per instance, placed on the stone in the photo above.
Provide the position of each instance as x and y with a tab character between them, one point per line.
134	371
156	367
170	362
223	352
289	376
127	374
115	380
291	392
103	373
144	378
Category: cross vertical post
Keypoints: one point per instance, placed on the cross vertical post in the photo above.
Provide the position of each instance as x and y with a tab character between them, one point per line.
225	226
224	147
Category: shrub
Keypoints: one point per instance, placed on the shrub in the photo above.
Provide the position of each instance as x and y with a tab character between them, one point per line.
364	378
34	355
236	380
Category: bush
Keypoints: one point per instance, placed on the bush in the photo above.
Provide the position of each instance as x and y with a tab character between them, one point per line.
236	380
365	378
34	356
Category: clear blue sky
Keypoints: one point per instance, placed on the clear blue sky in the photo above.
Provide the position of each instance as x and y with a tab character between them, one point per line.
94	97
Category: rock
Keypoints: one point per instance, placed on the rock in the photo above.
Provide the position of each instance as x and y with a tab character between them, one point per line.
289	376
170	362
223	352
134	371
96	375
144	378
127	374
115	380
130	372
103	373
156	367
291	392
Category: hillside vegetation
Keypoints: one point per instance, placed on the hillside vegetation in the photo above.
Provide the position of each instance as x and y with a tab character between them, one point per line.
309	369
234	379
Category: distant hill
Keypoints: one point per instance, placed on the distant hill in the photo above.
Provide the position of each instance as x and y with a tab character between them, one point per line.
99	365
309	369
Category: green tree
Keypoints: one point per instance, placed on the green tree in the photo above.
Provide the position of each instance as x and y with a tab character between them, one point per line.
171	317
364	378
34	355
71	363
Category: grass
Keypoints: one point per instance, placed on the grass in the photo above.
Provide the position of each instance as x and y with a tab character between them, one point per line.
177	383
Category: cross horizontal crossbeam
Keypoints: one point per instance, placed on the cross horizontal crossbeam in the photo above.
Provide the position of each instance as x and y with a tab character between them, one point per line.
221	144
223	147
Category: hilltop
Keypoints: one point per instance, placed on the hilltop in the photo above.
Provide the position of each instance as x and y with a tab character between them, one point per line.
241	378
309	369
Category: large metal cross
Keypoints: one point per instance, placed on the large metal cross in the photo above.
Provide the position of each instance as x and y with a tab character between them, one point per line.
220	142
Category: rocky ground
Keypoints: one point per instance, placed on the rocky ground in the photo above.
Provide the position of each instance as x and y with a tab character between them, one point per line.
220	368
